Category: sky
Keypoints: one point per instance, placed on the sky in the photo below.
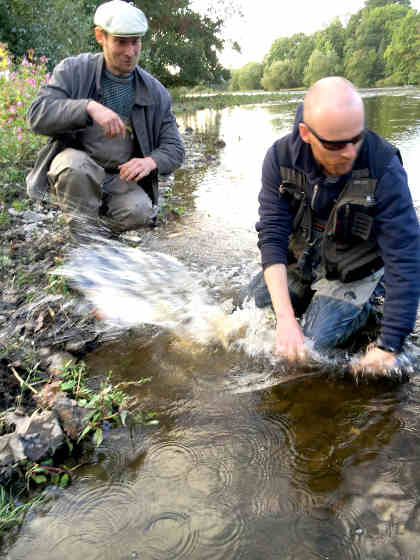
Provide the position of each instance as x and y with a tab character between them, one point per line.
266	20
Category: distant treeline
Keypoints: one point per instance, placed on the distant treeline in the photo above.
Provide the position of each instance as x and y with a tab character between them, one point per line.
379	46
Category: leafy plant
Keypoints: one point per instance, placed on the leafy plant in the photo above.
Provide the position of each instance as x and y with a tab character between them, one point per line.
111	404
46	473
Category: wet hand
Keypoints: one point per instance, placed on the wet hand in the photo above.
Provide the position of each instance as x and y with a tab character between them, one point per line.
290	342
109	120
136	168
375	360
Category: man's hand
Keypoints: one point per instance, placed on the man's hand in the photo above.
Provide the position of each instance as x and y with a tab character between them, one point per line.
109	120
136	168
289	339
375	360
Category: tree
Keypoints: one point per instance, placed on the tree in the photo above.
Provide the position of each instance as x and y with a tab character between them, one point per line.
181	45
321	65
371	4
331	37
280	74
250	76
295	49
370	34
402	54
51	28
180	48
361	67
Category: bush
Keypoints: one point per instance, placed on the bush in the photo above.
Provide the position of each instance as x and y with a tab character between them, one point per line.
18	86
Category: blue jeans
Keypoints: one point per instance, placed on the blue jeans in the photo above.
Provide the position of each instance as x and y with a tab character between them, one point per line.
331	312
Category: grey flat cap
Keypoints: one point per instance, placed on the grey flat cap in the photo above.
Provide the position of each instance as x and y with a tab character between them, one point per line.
121	19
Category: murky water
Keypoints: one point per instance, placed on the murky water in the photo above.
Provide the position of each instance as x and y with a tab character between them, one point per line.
252	458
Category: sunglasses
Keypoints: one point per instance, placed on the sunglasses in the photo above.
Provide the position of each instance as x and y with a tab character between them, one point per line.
335	145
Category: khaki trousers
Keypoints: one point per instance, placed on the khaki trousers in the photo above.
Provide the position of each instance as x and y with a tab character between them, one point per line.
81	187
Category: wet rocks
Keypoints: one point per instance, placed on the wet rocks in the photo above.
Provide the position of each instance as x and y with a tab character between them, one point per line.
34	437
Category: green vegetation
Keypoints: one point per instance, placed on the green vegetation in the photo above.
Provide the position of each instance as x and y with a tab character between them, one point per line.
11	514
108	404
19	84
180	47
379	46
106	407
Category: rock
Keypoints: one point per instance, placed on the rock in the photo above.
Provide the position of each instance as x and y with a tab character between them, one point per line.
50	392
76	346
11	449
39	435
30	216
71	415
58	362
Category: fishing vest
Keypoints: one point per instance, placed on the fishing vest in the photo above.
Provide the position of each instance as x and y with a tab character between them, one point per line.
346	240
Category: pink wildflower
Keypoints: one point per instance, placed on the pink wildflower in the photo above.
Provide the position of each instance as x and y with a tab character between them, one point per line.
20	137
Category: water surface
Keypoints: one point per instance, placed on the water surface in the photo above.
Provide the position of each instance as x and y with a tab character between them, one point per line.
253	458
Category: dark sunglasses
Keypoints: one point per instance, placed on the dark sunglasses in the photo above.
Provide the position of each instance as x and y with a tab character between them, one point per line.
335	145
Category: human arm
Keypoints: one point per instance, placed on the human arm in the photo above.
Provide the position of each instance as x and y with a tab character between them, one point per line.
60	106
63	105
168	149
397	233
289	337
274	228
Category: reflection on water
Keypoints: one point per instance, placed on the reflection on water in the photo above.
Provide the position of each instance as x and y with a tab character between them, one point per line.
309	466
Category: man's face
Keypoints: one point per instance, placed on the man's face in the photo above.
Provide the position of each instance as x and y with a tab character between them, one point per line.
121	53
334	162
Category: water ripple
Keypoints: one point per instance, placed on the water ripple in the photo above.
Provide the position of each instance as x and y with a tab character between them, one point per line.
170	459
324	535
221	532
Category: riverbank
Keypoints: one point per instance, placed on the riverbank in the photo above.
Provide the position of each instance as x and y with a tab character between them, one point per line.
184	103
46	329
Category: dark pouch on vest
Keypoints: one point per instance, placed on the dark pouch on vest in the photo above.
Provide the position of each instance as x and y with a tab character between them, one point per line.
355	263
353	220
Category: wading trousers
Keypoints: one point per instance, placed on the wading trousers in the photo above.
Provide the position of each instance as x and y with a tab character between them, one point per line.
84	190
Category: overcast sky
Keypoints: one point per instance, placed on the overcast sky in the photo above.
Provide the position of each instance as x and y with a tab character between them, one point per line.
266	20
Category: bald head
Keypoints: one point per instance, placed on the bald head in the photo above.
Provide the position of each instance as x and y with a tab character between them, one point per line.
332	106
333	124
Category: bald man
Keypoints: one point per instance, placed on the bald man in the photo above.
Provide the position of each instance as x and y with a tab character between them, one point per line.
337	231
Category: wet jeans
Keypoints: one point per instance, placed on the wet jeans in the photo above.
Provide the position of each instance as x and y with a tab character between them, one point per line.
331	311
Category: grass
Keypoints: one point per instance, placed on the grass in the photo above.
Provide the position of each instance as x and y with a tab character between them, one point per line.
11	514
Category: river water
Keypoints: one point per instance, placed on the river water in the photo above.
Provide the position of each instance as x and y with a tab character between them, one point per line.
252	458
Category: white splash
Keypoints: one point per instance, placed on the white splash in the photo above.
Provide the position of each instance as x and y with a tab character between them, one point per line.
129	287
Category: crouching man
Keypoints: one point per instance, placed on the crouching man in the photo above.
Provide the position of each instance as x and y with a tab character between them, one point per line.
111	130
337	228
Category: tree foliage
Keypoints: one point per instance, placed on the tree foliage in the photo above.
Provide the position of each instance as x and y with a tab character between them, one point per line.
280	74
380	45
180	48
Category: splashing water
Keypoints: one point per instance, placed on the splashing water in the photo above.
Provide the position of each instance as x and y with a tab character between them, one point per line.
129	287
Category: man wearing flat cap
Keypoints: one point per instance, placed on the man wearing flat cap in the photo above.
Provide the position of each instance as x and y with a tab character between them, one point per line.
111	130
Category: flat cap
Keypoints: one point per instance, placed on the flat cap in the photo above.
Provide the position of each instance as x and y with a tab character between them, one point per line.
121	19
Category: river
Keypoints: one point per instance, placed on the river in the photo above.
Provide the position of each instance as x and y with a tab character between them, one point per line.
251	459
